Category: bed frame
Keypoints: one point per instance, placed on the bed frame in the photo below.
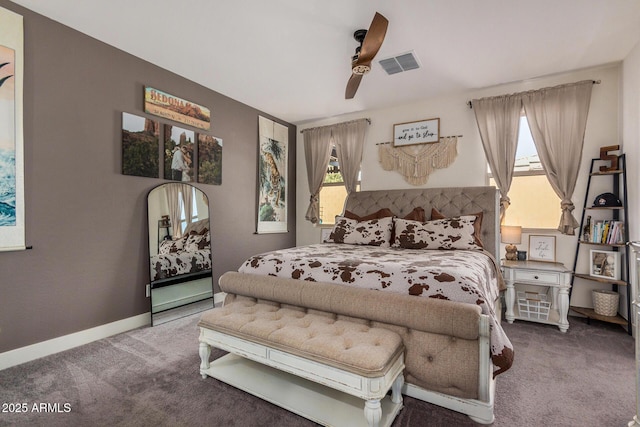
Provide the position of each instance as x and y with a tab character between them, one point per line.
418	339
449	201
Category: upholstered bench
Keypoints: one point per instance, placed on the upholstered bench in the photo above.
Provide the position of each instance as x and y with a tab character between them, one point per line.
324	364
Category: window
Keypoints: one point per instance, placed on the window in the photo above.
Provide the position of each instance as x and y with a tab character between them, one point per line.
333	192
534	204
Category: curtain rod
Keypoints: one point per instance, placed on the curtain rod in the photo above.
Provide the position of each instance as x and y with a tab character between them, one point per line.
442	137
342	123
595	82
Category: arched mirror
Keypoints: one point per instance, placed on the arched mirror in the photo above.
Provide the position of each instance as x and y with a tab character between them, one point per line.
180	251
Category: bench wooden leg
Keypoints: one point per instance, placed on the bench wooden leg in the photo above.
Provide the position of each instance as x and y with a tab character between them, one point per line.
373	412
205	353
396	389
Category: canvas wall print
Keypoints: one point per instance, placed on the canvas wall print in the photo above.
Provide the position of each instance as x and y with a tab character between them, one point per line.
179	154
12	225
272	176
171	107
209	159
140	145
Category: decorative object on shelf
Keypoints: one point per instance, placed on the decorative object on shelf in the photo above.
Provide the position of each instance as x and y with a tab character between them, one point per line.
604	264
542	248
171	107
12	200
273	162
613	158
416	163
512	236
522	255
605	303
140	144
606	200
420	132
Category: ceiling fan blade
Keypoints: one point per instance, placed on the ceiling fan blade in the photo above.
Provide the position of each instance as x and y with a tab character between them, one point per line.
352	86
373	40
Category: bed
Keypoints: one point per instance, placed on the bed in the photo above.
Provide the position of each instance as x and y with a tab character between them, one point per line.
185	258
441	243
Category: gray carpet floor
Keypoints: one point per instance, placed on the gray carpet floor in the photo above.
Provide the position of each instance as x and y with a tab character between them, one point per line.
150	377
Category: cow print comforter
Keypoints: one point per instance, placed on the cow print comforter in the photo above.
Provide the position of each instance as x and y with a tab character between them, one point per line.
458	275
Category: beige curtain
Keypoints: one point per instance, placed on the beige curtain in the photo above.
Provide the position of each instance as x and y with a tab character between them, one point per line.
349	140
498	120
173	199
557	117
187	198
317	149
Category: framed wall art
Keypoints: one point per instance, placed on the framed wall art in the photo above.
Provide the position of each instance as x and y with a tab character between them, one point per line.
179	154
604	264
542	248
140	145
12	223
171	107
272	176
209	159
420	132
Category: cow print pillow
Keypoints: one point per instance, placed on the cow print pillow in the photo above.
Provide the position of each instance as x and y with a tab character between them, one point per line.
171	246
448	233
375	232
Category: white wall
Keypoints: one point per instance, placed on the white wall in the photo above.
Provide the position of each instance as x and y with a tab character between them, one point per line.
469	168
630	96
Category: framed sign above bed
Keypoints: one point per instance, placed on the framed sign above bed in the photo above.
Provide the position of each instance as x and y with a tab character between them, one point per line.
420	132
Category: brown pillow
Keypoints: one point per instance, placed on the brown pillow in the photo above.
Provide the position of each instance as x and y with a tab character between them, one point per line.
382	213
477	224
417	214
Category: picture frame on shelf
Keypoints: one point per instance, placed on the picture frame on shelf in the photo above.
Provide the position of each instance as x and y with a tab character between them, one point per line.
604	264
542	248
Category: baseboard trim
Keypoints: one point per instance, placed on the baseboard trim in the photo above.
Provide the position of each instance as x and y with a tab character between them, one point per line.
56	345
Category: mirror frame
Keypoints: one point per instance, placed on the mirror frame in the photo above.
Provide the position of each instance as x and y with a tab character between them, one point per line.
190	288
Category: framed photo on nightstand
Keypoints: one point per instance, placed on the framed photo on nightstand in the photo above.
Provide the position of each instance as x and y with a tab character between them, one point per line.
542	248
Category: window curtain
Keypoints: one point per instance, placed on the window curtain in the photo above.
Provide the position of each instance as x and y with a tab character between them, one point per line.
349	140
173	199
498	120
557	117
187	198
317	150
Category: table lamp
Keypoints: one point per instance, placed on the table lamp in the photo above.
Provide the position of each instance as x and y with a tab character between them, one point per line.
511	235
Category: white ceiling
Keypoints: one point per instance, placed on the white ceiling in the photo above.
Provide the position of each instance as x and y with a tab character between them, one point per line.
291	58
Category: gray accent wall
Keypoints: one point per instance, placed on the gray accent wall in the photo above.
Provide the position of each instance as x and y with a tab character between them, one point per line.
85	220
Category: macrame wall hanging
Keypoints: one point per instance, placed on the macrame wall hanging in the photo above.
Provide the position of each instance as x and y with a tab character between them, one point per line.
416	162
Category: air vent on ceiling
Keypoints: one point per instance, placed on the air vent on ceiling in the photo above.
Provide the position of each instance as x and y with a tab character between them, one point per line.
397	64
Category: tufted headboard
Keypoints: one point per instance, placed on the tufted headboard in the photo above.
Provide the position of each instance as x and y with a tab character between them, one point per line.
449	201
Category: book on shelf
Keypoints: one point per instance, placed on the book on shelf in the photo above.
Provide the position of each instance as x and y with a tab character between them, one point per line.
610	232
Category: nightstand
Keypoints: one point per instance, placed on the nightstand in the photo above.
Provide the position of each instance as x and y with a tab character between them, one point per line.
535	305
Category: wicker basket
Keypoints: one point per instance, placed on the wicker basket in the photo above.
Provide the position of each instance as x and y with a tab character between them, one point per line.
605	303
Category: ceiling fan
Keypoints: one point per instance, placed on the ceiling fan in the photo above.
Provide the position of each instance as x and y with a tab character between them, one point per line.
370	42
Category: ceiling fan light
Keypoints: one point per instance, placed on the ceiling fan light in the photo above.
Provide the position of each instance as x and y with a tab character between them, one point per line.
361	69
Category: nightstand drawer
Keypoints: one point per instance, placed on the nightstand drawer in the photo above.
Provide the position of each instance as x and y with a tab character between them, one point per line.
537	276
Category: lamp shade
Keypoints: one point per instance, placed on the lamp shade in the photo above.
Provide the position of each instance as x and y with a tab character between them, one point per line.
511	234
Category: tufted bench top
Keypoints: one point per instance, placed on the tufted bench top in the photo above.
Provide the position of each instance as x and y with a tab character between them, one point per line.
323	337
